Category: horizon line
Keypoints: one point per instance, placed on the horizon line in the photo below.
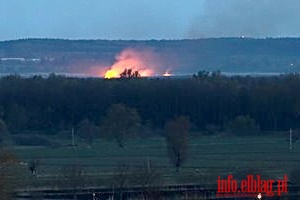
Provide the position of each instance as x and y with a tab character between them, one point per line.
142	40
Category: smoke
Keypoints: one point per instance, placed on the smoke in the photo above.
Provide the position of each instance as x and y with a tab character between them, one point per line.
96	71
145	61
249	18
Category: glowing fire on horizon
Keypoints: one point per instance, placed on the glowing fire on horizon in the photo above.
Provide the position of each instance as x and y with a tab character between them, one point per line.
140	61
145	61
167	73
111	74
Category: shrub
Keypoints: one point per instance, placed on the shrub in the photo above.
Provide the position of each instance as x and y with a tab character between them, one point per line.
242	125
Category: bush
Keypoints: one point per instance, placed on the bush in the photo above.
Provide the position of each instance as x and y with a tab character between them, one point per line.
242	125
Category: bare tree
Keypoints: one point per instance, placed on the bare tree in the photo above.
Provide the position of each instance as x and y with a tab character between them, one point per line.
177	136
149	178
129	73
33	165
120	123
120	180
72	177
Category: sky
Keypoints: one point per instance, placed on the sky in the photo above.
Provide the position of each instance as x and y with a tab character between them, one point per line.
148	19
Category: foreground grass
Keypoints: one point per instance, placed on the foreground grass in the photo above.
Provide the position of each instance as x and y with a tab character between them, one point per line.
209	157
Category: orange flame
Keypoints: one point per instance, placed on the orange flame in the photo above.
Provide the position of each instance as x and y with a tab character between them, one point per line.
111	74
142	61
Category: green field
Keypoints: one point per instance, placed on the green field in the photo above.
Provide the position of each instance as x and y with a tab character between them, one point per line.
208	157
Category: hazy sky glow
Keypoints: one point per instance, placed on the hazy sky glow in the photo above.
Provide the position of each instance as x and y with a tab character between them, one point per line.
147	19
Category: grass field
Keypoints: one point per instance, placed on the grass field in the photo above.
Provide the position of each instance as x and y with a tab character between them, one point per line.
209	157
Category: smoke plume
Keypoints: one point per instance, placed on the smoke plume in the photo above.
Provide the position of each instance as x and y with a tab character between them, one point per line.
249	18
145	61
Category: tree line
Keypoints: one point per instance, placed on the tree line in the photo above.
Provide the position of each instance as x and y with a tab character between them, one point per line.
211	101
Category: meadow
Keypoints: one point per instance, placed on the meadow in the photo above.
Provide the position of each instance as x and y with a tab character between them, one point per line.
208	157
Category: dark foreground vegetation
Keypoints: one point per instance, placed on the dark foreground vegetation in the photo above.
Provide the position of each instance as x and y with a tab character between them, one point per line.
210	101
234	121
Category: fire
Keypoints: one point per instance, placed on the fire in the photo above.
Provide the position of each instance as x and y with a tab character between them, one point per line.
147	62
143	61
111	74
167	73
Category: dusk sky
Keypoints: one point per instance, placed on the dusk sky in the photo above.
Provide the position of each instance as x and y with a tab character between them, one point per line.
148	19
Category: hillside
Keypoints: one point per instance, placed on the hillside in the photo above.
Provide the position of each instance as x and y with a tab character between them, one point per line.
185	56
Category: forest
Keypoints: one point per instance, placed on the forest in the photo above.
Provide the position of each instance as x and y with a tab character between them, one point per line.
211	101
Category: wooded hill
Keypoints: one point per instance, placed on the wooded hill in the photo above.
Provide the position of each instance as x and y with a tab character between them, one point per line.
188	56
